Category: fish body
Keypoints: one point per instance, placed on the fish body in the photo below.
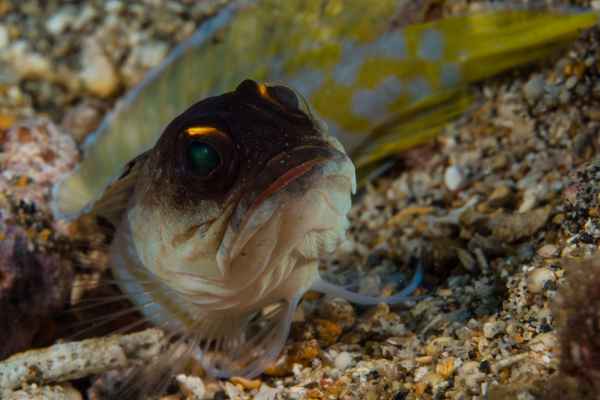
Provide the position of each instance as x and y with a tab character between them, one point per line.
222	215
227	214
379	88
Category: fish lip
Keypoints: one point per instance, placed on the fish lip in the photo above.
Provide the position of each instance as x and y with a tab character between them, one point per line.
297	164
285	180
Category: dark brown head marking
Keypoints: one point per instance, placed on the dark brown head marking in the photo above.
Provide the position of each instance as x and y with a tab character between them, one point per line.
244	130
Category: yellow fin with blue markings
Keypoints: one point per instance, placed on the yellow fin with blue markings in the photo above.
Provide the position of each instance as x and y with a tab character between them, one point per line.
380	89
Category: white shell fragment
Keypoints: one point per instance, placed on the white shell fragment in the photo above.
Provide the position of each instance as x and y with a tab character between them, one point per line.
454	178
66	361
192	387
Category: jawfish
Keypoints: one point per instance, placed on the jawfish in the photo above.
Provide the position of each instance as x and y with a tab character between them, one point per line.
226	216
221	217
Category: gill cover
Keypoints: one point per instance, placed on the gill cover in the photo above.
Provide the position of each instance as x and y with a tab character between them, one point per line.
380	89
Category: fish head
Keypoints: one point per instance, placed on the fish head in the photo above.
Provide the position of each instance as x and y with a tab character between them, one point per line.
241	192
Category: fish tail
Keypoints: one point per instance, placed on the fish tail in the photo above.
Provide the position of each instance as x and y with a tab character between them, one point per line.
476	47
419	124
514	39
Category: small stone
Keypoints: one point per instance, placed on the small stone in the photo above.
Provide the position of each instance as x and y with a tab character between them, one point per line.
191	386
82	120
454	178
98	73
534	88
552	94
327	331
583	144
446	367
469	375
4	38
466	260
84	17
502	196
246	383
512	227
113	6
424	360
530	200
142	58
28	64
233	391
61	20
337	310
565	96
548	251
493	328
571	82
538	278
266	393
343	360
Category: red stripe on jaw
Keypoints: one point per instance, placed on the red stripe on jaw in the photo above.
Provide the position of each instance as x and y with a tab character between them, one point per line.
285	179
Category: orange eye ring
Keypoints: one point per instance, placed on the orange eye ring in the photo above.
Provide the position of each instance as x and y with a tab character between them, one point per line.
201	130
204	131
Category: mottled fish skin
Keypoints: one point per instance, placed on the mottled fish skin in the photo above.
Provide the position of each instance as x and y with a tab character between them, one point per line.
379	89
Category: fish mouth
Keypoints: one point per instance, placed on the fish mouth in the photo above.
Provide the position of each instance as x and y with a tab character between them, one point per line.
294	211
284	171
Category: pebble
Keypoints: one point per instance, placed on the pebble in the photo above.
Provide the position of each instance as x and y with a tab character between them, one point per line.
28	64
493	328
529	201
343	360
85	16
337	310
534	88
81	120
327	331
113	6
552	94
571	82
537	279
466	260
266	393
512	227
446	367
142	58
98	74
191	386
470	375
548	251
4	38
233	391
246	383
502	196
61	20
454	178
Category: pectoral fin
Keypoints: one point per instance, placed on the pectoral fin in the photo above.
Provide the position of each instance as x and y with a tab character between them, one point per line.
248	345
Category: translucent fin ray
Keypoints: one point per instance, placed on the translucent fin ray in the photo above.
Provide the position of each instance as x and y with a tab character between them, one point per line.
328	288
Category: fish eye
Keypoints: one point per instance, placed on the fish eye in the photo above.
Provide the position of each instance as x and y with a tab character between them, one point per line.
202	158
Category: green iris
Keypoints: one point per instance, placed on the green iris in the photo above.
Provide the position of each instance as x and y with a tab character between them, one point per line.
202	158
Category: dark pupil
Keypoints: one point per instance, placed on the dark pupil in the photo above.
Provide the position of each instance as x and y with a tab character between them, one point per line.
203	158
